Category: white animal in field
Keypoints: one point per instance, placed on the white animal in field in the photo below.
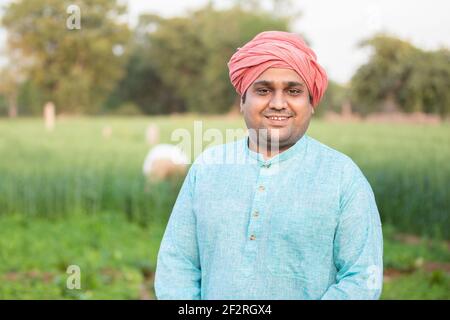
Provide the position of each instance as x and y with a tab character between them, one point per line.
163	161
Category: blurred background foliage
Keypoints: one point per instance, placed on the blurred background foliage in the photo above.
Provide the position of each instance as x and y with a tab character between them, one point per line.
401	77
178	64
76	69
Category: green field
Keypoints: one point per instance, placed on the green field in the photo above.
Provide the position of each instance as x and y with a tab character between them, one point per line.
72	196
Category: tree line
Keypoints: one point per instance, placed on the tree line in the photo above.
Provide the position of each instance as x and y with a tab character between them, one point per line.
178	64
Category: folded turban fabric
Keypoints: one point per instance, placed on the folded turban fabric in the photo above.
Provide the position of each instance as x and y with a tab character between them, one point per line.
277	49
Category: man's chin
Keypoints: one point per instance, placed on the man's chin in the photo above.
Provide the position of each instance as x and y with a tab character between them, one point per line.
278	136
277	141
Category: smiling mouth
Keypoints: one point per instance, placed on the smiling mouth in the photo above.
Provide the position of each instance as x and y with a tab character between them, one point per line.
278	118
277	121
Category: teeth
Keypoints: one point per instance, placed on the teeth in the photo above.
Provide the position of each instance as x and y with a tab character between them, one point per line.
278	118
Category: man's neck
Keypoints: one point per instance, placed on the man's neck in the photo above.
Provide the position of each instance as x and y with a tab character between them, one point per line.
267	151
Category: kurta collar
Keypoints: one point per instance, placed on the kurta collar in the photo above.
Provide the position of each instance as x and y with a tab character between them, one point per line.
297	150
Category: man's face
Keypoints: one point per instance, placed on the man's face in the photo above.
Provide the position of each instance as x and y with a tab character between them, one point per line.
278	101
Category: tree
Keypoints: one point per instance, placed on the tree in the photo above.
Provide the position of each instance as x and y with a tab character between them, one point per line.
427	88
381	78
142	84
74	68
10	82
9	90
401	77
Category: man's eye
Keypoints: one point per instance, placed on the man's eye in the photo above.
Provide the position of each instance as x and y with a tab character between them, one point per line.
263	91
295	92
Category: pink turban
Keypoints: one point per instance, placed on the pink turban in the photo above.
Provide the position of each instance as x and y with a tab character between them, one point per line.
277	49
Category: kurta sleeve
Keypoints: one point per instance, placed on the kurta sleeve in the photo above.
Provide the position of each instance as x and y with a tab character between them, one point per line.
178	273
358	242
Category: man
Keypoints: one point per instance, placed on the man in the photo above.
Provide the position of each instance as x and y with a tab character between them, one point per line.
291	218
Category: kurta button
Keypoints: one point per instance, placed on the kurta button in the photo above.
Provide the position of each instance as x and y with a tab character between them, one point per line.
261	188
256	213
252	237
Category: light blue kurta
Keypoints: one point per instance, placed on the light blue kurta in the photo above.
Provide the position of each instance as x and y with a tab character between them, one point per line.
302	225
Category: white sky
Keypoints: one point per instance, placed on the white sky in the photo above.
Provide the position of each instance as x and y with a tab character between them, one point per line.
334	28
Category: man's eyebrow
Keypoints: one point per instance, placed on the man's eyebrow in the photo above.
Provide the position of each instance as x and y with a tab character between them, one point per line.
294	84
263	83
286	83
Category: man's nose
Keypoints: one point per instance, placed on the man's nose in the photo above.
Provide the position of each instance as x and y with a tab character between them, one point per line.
278	101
